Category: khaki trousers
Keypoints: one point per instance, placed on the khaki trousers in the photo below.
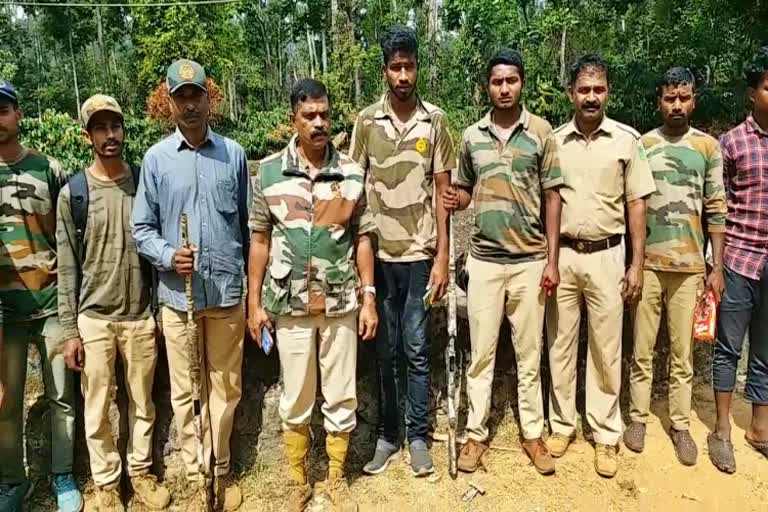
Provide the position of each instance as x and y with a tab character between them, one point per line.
677	292
220	335
135	342
597	278
512	291
304	343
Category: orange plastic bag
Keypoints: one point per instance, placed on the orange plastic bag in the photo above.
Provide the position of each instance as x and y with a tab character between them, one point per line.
705	317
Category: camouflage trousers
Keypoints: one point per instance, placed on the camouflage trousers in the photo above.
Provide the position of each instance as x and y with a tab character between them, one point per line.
675	291
46	335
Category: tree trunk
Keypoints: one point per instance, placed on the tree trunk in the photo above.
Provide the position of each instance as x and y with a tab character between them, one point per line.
358	87
74	74
325	53
310	49
562	55
102	51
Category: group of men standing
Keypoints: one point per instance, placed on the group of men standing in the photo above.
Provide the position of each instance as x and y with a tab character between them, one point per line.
343	247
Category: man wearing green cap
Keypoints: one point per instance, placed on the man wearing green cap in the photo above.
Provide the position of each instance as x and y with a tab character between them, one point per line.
197	172
104	308
29	186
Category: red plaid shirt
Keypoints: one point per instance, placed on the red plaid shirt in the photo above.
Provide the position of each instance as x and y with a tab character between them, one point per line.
745	174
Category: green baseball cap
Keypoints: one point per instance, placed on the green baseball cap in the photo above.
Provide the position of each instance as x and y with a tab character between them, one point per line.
185	72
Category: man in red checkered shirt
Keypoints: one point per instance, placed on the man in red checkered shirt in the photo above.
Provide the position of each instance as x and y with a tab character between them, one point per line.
744	305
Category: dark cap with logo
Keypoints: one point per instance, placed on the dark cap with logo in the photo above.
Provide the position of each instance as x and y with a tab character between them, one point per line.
8	91
185	72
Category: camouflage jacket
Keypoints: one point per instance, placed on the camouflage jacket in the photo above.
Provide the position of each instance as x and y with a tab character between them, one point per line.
507	180
29	188
688	171
400	169
313	225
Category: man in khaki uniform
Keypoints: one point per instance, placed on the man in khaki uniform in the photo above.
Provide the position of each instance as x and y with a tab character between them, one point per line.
605	171
104	308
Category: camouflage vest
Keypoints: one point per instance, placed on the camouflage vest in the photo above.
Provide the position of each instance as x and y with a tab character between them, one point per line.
313	225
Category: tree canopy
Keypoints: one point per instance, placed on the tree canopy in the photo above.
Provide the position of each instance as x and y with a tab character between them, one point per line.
256	49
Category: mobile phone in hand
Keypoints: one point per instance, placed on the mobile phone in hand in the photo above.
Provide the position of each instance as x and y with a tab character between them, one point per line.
266	340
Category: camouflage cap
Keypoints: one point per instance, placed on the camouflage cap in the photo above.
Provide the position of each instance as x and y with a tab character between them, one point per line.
97	103
7	90
185	72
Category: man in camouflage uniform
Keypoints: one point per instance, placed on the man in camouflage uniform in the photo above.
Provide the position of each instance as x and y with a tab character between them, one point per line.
405	148
29	186
687	167
507	162
606	175
306	214
104	306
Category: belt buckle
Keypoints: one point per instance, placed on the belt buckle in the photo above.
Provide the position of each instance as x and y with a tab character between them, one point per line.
580	246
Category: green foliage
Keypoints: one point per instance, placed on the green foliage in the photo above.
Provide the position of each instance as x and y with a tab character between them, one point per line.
263	133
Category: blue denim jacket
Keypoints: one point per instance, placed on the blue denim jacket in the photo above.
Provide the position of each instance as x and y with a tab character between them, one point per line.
211	185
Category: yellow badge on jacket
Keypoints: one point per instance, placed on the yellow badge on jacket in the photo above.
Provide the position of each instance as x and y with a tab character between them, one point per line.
422	146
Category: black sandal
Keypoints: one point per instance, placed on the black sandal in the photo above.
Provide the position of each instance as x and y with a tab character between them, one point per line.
721	453
760	446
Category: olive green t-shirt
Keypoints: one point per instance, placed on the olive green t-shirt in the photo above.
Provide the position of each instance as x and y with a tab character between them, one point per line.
113	286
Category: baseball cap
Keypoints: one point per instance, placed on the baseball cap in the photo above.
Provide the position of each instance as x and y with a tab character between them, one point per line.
7	90
185	72
97	103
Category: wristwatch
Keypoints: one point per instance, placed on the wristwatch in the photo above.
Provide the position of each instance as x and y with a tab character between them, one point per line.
370	289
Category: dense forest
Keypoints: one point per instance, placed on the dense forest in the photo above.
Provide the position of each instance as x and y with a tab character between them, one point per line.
59	54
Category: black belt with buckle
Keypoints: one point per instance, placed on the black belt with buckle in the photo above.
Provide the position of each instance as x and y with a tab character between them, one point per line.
589	246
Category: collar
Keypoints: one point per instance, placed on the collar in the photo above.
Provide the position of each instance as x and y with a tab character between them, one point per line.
385	109
524	121
607	127
753	127
183	143
292	163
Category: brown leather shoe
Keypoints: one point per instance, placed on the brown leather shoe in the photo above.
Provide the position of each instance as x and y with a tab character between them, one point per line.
470	455
150	493
539	454
685	447
229	497
341	498
558	444
606	460
106	499
298	497
634	437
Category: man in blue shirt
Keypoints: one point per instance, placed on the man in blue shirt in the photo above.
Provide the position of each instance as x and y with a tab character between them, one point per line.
201	174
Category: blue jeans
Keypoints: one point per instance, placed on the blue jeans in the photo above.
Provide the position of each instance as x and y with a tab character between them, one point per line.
744	306
403	332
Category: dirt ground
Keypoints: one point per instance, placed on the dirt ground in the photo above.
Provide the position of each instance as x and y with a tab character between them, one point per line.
654	480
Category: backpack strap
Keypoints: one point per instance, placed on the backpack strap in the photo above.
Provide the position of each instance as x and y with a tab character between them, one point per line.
78	203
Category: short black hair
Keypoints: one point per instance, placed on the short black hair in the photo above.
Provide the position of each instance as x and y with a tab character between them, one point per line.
675	76
307	88
398	38
590	61
756	68
9	101
505	56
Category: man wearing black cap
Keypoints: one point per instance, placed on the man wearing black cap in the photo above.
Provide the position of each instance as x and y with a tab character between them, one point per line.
29	186
199	173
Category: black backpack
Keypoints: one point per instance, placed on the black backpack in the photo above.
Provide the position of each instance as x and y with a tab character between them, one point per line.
78	202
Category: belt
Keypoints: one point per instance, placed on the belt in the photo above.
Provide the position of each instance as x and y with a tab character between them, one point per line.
589	246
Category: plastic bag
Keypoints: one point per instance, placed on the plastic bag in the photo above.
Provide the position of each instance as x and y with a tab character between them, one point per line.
705	317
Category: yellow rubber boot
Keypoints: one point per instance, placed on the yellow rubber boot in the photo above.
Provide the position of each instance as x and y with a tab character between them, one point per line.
336	446
296	449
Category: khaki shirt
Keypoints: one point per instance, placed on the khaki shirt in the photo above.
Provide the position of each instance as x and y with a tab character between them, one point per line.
400	170
601	175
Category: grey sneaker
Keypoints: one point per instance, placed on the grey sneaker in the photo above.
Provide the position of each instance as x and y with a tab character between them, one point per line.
385	453
421	460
